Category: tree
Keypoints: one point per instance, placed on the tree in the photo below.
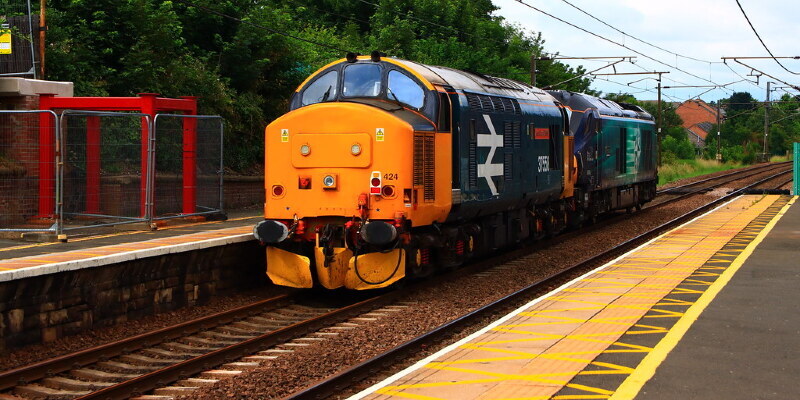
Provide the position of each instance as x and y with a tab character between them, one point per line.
246	71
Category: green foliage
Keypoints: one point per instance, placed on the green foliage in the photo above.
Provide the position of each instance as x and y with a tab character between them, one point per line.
677	148
742	131
246	73
674	170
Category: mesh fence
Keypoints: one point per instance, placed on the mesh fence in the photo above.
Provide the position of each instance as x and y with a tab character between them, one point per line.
188	165
92	169
103	161
17	38
28	182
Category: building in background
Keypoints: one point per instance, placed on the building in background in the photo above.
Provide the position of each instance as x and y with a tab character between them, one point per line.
698	118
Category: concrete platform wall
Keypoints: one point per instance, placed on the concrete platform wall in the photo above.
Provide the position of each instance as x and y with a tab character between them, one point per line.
45	308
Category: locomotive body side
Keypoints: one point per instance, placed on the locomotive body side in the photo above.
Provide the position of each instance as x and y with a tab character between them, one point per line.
616	150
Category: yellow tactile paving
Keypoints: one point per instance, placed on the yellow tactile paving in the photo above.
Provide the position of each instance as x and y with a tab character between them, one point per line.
538	352
33	261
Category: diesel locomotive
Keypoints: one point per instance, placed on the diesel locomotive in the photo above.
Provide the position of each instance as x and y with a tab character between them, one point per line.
386	168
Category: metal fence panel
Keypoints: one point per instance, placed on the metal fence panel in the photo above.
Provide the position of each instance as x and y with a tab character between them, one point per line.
17	55
28	175
188	165
105	180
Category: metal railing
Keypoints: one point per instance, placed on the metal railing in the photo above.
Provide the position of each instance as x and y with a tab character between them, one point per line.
189	161
105	174
90	169
29	171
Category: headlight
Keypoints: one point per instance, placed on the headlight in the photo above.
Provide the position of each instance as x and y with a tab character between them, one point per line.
329	182
355	149
305	149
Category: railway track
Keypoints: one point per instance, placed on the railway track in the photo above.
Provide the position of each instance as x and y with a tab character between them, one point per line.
678	193
252	333
145	362
731	173
407	351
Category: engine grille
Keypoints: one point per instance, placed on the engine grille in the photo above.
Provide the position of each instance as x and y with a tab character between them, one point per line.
424	165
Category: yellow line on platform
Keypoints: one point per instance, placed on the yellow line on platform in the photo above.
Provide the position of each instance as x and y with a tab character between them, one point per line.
647	368
166	228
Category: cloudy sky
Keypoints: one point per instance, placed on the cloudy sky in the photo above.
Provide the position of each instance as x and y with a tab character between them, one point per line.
701	29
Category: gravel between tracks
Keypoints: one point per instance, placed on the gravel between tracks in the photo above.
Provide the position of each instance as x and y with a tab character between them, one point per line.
296	370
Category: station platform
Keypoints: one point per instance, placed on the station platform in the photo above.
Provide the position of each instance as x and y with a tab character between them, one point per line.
705	311
24	260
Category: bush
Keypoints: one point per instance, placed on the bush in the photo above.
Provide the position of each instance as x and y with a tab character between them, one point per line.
679	148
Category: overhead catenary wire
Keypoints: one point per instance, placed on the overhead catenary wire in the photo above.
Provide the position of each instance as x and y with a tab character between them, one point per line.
762	41
740	76
672	98
631	36
611	41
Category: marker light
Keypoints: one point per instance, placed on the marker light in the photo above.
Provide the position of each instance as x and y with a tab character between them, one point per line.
375	183
277	191
355	149
305	149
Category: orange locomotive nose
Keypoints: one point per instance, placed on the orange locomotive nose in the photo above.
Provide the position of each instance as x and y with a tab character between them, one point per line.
332	151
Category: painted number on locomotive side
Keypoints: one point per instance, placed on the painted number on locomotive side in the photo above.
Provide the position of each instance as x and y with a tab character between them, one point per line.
390	177
544	163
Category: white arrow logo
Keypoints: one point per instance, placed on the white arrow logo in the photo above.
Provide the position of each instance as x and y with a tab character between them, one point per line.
488	169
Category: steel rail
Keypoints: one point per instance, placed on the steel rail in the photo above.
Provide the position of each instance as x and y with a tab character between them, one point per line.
92	355
353	375
731	178
193	366
730	173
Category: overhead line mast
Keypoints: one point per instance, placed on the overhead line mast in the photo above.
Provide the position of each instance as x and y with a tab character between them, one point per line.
753	69
611	64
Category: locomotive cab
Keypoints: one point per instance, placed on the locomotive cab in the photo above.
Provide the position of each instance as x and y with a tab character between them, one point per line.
336	189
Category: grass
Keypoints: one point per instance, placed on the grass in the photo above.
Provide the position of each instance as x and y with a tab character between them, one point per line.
779	158
681	169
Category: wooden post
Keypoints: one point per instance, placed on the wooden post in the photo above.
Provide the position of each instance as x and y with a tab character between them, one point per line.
42	34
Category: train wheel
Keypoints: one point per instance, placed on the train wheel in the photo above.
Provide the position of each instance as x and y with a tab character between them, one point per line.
418	262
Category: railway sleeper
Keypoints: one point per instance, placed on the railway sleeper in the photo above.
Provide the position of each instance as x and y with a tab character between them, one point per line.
39	391
185	348
272	321
245	325
138	359
211	343
62	383
226	336
102	376
235	330
159	352
197	382
115	366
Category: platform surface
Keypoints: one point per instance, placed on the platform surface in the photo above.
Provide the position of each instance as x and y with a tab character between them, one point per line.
693	314
21	260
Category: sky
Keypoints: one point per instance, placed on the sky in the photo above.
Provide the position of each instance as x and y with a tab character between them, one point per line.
703	29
